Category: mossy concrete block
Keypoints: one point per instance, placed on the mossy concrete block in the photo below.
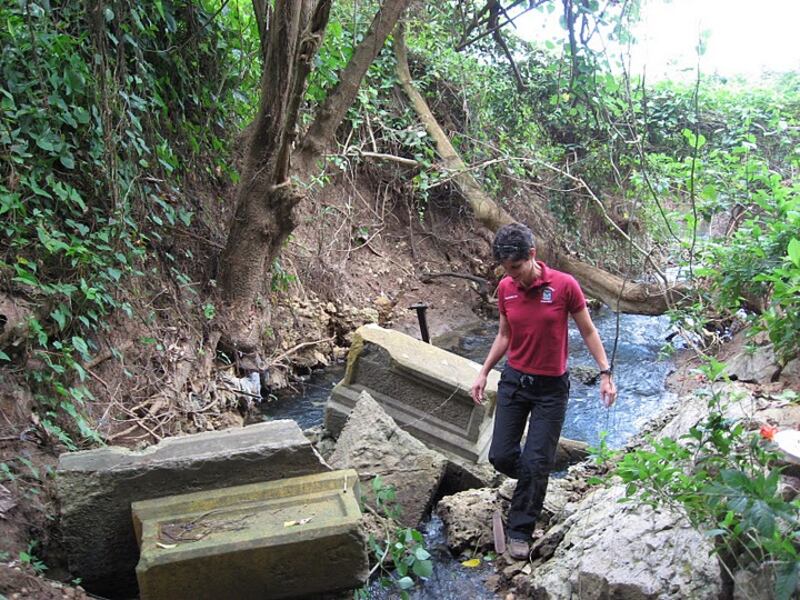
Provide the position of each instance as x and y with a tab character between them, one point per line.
96	489
424	388
295	538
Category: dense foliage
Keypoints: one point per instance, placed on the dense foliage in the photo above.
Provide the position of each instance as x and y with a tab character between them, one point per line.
103	115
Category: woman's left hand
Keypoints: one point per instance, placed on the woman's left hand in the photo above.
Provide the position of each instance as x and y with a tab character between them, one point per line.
608	391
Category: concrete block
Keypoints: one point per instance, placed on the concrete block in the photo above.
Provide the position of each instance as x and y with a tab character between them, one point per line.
298	537
425	389
96	489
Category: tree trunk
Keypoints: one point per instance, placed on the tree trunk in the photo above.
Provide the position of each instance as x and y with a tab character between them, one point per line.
266	196
322	132
619	294
484	208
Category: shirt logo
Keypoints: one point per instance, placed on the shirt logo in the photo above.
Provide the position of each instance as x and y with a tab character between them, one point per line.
512	297
547	295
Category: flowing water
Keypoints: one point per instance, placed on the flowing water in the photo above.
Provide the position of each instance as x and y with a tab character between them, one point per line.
639	373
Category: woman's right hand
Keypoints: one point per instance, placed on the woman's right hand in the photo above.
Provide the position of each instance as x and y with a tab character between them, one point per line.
477	389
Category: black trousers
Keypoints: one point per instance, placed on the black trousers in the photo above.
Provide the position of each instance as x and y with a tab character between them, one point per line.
544	400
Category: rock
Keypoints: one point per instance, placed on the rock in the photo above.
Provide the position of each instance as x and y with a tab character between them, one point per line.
558	503
462	475
791	371
373	444
753	585
586	374
760	366
627	551
96	488
789	488
467	518
545	546
569	452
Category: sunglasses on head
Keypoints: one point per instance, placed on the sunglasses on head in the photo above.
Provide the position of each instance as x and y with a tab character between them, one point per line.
510	248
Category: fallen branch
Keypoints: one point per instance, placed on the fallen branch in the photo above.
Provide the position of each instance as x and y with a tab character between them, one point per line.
483	284
299	347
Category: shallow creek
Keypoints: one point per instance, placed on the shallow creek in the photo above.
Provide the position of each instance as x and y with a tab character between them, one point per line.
639	373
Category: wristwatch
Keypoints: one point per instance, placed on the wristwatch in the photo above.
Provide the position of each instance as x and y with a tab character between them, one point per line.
608	372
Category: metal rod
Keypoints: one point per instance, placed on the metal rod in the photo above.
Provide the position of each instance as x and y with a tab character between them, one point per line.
423	322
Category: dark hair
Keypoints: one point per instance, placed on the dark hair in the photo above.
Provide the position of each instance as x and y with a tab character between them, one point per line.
512	242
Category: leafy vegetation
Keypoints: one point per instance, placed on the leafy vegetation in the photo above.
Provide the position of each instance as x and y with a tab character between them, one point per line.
724	479
103	115
401	556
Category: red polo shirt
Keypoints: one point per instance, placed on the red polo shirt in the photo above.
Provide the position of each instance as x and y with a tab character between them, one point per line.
538	320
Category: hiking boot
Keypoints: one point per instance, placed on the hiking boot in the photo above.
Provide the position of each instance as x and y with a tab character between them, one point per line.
518	549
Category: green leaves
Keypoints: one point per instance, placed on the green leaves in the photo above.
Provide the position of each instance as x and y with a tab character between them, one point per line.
93	127
793	252
405	546
724	480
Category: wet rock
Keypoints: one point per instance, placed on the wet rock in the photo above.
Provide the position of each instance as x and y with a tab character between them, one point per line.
373	444
759	366
627	550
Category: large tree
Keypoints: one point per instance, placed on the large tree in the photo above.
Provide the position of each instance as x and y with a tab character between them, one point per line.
277	165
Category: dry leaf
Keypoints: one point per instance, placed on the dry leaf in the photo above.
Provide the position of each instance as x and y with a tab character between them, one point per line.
471	563
296	523
165	546
7	502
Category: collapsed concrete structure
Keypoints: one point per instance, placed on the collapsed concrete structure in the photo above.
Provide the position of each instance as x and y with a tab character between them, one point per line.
298	537
422	387
96	489
426	390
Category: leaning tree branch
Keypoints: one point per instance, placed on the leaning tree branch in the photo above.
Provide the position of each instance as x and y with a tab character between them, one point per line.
483	207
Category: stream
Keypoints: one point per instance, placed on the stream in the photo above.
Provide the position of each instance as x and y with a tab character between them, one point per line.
639	373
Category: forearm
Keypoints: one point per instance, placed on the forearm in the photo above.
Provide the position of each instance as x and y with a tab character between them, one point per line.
496	352
595	347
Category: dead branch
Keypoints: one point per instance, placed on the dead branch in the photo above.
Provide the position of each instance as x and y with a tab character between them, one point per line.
483	284
294	349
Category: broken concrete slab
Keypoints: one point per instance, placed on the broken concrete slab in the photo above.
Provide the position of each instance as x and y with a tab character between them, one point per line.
293	538
422	387
97	487
374	445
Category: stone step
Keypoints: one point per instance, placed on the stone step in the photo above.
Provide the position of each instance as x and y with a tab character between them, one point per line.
298	537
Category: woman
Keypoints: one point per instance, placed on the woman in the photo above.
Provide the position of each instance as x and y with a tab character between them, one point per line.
535	302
